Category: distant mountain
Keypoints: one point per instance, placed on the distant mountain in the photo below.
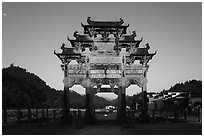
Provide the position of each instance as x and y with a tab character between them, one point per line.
129	100
109	99
192	86
114	102
22	89
100	102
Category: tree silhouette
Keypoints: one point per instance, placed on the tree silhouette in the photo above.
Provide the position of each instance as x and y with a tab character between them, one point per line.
22	89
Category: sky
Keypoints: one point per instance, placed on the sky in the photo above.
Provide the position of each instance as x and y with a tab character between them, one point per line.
32	31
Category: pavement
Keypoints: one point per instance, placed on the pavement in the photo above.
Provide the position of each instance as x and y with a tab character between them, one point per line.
100	130
107	125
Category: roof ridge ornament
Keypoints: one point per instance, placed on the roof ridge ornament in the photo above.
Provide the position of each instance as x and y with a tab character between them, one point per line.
101	23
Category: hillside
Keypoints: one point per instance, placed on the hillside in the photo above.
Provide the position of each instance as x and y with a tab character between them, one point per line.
22	89
194	86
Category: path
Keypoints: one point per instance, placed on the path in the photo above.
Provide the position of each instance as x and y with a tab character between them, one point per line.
159	128
100	130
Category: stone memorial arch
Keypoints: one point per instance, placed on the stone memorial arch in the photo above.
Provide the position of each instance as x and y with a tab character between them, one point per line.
104	54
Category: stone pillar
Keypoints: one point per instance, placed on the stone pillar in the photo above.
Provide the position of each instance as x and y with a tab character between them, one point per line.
153	114
160	112
92	94
43	113
66	106
144	104
167	114
54	115
47	113
87	106
185	113
5	115
199	114
89	113
18	115
79	117
29	115
74	119
176	115
121	105
66	101
144	115
36	113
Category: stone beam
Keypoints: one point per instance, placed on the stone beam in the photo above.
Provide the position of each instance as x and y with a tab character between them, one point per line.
89	104
106	90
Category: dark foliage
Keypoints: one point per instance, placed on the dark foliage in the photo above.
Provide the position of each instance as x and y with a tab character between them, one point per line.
192	86
22	89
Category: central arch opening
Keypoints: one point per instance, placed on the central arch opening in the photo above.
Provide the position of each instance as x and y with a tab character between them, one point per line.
106	111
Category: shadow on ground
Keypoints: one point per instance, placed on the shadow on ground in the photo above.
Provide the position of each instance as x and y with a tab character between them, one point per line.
103	128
